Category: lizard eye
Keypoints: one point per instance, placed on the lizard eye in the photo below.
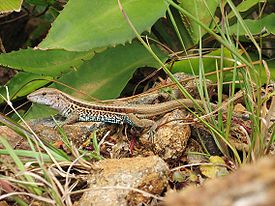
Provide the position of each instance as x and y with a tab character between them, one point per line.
44	93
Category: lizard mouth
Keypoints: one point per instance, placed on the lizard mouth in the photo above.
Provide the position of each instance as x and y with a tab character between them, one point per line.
34	98
30	97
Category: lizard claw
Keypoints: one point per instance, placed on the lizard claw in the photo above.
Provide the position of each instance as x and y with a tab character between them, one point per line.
151	133
95	126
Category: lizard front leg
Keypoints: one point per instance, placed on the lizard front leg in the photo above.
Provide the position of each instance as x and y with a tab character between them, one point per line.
72	118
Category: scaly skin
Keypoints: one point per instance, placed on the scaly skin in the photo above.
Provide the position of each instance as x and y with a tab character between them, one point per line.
79	110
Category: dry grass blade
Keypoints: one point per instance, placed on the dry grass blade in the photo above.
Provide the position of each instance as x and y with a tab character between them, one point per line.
43	199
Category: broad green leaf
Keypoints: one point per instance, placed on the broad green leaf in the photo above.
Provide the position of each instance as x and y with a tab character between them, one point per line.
10	5
263	27
22	84
104	76
38	111
245	6
258	67
84	24
212	59
48	62
209	64
108	72
203	10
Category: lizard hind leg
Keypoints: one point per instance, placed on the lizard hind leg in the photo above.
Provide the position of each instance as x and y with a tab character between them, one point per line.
143	123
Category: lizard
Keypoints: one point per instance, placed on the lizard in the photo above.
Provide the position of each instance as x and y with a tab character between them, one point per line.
80	110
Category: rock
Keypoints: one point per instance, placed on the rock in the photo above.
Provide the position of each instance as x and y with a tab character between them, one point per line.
45	130
48	131
252	185
172	136
111	183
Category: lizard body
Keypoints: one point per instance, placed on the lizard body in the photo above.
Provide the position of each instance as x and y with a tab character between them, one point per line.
79	110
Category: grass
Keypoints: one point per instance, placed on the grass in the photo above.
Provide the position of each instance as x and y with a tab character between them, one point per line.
36	173
219	130
246	78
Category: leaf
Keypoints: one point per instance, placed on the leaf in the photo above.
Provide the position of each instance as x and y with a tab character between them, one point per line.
10	5
86	24
38	111
263	26
245	6
48	62
209	64
22	84
213	171
105	75
259	69
203	11
178	177
108	72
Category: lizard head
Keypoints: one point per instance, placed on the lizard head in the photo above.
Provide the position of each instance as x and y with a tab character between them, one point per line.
47	96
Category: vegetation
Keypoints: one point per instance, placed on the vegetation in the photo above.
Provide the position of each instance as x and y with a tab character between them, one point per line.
95	47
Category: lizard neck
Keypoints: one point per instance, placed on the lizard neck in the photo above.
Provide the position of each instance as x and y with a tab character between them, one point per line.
62	105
